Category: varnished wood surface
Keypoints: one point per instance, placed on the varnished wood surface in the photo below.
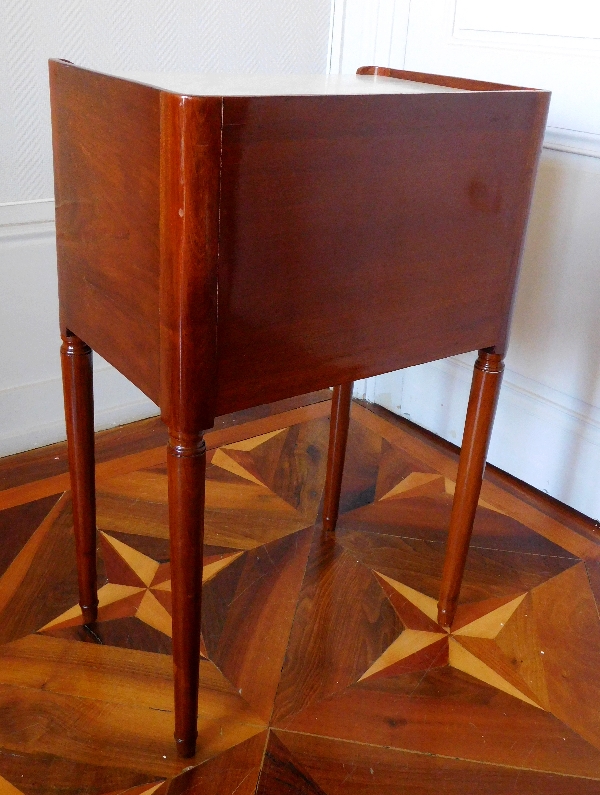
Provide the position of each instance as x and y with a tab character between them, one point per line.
428	195
323	668
189	238
106	139
271	212
323	205
440	80
77	374
336	452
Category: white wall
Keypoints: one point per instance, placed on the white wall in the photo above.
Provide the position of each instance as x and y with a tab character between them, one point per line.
547	430
548	426
177	35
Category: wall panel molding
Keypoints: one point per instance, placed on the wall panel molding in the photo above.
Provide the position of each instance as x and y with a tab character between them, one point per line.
380	33
367	33
572	141
576	23
121	35
515	43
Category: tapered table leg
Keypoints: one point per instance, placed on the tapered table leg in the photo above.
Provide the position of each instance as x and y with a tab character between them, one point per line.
186	464
487	377
338	437
76	361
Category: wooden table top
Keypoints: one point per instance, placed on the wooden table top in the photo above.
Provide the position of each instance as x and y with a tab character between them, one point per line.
256	85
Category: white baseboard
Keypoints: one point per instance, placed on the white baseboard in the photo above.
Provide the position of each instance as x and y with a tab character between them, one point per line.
31	407
541	436
32	414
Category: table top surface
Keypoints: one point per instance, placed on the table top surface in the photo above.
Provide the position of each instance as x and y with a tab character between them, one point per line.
255	85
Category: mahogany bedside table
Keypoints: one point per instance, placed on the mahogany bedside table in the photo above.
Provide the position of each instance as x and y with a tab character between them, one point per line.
231	241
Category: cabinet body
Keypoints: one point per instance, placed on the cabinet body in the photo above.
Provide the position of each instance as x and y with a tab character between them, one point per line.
290	242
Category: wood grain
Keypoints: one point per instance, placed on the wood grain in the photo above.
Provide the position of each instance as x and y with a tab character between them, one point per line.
234	772
465	201
39	773
336	454
340	767
579	545
85	730
107	216
24	468
18	524
282	773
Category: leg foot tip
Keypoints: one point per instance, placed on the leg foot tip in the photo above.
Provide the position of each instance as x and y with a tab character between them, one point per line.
186	747
445	617
329	525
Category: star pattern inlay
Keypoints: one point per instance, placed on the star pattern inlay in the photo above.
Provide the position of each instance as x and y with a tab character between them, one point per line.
138	586
469	646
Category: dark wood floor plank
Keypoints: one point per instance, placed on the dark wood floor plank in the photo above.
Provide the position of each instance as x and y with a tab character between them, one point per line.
300	473
19	494
394	466
234	772
340	768
266	460
525	493
448	713
254	638
45	774
41	581
281	773
524	512
363	455
342	625
427	517
418	564
18	524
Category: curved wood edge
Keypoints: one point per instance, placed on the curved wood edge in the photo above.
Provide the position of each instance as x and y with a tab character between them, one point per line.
190	133
189	233
439	80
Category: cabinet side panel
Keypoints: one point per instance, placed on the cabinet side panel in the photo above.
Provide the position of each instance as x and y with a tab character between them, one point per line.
360	235
105	135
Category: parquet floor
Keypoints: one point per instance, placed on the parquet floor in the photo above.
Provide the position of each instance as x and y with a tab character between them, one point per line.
323	671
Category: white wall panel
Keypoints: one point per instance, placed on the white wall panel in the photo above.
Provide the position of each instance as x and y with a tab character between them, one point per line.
487	41
368	33
265	36
31	412
578	19
178	35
